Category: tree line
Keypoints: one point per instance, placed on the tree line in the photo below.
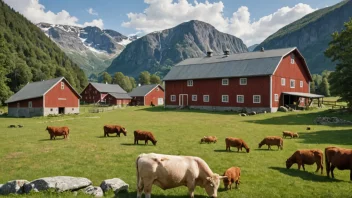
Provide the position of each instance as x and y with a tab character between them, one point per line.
320	84
128	83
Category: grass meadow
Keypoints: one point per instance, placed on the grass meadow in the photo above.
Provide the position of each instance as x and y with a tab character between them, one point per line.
28	153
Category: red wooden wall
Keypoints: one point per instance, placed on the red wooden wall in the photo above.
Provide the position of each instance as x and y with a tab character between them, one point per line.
91	95
113	101
57	97
153	96
36	103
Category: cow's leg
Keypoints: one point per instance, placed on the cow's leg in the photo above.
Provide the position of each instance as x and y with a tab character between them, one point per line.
140	187
332	171
148	189
299	166
238	149
328	169
303	167
107	134
191	186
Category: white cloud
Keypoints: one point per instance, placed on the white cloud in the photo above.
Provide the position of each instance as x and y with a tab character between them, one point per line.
163	14
35	12
92	12
96	22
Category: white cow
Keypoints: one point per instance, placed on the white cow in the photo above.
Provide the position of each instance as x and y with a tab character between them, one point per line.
171	171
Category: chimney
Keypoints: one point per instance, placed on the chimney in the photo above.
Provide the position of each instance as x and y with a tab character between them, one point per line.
226	52
209	53
262	50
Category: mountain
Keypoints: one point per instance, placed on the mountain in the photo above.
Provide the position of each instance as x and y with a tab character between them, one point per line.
27	54
312	34
252	47
158	51
91	48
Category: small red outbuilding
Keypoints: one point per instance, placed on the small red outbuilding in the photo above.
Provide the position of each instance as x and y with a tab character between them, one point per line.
147	95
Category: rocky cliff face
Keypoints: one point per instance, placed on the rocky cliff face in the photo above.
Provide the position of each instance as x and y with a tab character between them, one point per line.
166	48
312	34
91	48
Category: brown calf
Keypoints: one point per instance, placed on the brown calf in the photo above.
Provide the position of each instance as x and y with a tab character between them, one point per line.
209	139
144	135
289	134
236	142
114	129
233	176
306	156
272	140
58	131
339	158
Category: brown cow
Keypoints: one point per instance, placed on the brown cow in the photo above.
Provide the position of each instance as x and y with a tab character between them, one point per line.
290	134
233	175
114	129
272	140
236	142
209	139
144	135
339	158
58	131
306	156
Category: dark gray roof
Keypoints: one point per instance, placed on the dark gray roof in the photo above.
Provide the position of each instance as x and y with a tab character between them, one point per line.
233	65
142	90
120	95
34	90
108	88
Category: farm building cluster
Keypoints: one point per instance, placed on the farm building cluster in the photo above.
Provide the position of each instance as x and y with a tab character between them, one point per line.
254	81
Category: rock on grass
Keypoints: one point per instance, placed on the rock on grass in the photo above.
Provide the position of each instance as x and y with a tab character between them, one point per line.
114	184
14	186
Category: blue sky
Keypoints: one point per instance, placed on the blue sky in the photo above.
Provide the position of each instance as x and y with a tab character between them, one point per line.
111	14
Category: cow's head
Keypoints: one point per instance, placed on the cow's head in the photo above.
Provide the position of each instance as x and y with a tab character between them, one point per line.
248	149
154	142
289	163
260	145
124	131
212	184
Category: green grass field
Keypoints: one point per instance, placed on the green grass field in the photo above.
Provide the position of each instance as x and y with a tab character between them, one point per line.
28	153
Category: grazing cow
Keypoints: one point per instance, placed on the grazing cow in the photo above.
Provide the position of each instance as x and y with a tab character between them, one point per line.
20	126
272	140
12	126
58	131
114	129
209	139
171	171
144	135
306	156
339	158
289	133
236	142
233	175
308	128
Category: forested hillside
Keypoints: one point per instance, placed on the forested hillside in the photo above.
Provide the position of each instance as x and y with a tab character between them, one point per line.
27	54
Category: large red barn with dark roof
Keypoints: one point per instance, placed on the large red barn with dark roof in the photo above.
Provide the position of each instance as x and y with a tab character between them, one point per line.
254	81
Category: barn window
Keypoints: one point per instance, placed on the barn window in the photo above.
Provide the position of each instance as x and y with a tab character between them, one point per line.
62	85
173	98
30	104
194	97
225	98
292	59
189	83
243	81
292	83
225	81
301	84
256	98
283	81
205	98
276	97
240	98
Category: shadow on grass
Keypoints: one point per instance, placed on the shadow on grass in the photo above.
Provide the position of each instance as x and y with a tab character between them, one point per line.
131	144
109	137
44	140
134	194
305	175
232	151
339	137
262	149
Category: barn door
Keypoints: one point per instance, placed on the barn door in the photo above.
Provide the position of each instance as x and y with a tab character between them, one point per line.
183	100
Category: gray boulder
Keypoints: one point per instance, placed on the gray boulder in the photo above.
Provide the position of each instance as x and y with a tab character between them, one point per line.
243	114
283	109
114	184
93	190
60	183
14	186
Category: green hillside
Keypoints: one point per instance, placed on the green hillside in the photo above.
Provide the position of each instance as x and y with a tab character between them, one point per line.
27	54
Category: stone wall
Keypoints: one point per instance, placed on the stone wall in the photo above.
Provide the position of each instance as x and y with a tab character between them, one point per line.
25	112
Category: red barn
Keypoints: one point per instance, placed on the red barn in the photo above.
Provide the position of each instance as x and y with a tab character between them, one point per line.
254	81
147	95
55	96
111	94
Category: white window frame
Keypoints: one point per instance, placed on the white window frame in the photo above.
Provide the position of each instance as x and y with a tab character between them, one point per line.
292	59
173	98
30	104
276	97
241	81
283	81
238	96
294	83
62	85
225	80
189	83
301	83
204	98
260	99
194	98
225	101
